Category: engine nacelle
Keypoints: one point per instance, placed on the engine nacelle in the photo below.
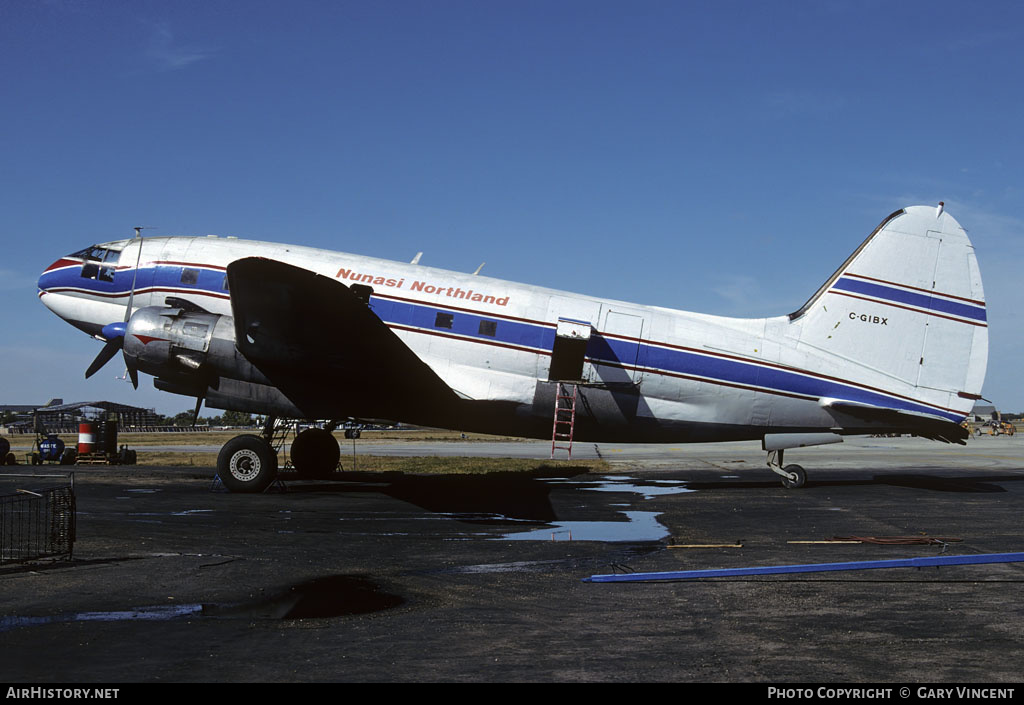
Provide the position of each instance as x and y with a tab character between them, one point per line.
234	395
167	341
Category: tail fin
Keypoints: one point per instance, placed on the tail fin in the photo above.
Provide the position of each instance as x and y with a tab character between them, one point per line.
908	310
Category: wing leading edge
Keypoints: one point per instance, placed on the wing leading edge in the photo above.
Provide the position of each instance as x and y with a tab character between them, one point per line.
321	345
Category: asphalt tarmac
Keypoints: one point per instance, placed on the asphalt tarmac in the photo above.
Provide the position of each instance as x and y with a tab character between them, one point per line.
392	578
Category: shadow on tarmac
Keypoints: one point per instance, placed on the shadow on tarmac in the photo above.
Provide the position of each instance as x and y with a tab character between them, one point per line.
934	483
516	495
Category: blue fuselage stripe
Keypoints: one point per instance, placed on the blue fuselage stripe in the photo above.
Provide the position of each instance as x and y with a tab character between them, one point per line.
539	338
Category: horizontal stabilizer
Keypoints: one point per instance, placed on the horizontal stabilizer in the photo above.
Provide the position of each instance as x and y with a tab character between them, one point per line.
901	421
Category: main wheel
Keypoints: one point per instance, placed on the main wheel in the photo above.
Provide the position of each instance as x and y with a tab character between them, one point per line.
801	477
315	453
247	464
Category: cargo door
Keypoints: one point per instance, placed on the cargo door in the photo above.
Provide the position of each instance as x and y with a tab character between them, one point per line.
574	321
619	357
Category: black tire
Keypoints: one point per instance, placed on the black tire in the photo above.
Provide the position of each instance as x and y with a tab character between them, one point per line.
10	459
247	464
69	456
315	454
5	447
801	477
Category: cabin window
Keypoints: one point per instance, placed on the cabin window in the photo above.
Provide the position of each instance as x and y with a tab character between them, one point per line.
189	276
488	328
443	320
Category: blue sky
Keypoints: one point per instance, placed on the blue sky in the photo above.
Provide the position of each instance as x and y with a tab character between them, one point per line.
722	157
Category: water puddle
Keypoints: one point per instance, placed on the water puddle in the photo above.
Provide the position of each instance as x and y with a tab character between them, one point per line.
638	527
646	488
147	614
635	527
514	567
331	596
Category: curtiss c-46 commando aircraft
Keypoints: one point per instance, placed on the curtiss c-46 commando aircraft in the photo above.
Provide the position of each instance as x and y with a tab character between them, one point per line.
895	341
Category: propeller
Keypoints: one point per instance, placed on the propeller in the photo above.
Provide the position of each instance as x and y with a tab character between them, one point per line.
114	333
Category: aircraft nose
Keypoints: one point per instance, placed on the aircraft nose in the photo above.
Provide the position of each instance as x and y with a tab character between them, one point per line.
48	277
44	278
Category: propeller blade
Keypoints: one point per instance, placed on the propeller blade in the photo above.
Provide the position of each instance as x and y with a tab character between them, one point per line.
195	416
133	372
109	350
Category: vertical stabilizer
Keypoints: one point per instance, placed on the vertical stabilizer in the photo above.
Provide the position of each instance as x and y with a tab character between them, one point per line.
905	314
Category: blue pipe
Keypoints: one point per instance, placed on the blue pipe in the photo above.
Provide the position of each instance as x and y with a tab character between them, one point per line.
809	568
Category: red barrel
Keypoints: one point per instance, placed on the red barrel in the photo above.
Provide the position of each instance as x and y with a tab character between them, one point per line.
86	438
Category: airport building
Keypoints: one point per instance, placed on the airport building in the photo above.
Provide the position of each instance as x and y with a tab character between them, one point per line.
57	417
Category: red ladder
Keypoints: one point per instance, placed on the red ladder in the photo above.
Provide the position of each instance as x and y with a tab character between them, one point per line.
565	405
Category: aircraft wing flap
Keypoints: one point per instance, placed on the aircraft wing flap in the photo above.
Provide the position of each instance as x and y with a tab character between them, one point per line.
902	420
320	343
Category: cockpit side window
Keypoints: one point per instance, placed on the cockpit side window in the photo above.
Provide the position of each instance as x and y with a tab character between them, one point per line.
92	270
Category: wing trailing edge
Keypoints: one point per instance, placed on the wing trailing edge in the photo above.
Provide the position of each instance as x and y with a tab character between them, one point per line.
901	420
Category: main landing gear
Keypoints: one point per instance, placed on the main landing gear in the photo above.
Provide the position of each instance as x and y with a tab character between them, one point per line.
249	463
793	476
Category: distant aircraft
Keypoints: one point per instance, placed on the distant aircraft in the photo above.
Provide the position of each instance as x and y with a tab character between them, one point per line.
895	341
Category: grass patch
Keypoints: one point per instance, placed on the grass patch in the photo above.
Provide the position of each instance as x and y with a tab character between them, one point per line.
219	438
435	465
426	465
174	459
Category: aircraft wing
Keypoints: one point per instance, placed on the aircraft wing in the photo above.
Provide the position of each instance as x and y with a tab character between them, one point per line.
319	342
900	420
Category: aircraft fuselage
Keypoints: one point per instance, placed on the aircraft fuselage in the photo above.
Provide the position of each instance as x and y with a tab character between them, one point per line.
646	373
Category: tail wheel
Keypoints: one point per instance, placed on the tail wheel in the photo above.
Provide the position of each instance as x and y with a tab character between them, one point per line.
247	464
799	480
315	453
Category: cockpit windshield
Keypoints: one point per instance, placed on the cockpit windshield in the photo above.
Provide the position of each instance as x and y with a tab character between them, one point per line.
95	256
97	253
